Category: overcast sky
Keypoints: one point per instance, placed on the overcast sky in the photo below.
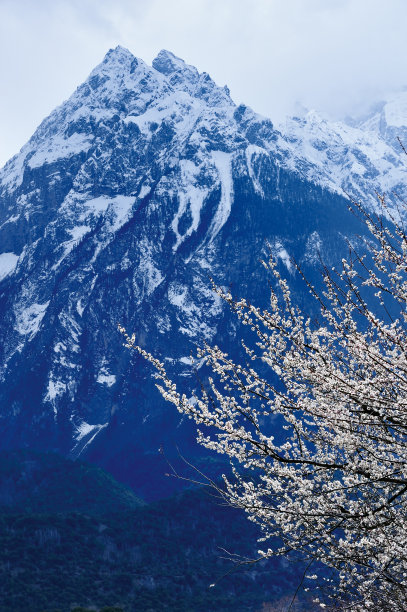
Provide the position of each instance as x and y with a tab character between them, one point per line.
337	56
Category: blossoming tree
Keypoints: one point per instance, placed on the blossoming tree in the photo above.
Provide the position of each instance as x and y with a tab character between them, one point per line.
331	487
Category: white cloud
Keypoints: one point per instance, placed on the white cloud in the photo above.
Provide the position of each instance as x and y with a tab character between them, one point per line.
334	55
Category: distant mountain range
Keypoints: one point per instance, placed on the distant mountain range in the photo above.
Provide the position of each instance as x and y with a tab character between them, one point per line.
125	199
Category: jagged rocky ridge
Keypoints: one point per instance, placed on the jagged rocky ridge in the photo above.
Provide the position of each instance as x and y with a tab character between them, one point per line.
126	198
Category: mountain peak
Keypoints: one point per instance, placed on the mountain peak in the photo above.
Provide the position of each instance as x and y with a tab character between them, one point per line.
167	63
118	54
116	62
185	77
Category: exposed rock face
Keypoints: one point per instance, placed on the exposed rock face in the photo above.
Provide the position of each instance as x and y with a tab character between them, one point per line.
126	198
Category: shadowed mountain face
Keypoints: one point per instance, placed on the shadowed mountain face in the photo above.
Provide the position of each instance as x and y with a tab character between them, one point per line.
127	197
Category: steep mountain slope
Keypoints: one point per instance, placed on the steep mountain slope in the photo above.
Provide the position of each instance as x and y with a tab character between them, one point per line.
124	200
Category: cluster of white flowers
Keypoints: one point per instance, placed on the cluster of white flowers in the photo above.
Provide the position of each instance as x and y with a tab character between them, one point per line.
331	484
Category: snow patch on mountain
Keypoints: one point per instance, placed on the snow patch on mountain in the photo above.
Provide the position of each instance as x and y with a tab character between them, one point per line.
84	429
252	152
191	197
223	163
11	219
177	296
152	276
313	248
71	326
145	122
55	388
282	254
11	175
8	263
195	307
59	347
28	320
84	435
104	378
119	208
79	232
59	147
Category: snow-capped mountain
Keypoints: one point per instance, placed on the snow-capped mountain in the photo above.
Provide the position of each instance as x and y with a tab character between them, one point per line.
388	119
126	198
356	158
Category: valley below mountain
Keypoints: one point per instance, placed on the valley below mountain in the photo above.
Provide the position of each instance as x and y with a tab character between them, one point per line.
83	540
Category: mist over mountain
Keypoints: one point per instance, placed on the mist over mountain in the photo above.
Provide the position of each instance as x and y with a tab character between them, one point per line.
145	182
